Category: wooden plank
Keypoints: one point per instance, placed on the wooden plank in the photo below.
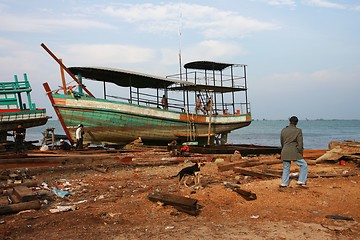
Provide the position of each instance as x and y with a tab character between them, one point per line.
247	172
24	194
229	166
330	175
247	195
274	171
172	199
338	150
183	204
193	212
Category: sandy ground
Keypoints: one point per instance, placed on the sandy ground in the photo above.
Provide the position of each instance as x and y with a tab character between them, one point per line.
115	205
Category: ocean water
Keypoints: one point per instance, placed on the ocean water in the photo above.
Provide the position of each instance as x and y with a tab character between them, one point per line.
317	133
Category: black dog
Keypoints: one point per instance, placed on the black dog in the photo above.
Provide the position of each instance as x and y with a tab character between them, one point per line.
189	171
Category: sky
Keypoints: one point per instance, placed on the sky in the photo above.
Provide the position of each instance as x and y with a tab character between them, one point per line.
302	56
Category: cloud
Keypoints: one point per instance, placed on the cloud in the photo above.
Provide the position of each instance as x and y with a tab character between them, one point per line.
214	50
281	2
6	43
211	22
290	3
323	76
356	8
35	24
325	4
107	54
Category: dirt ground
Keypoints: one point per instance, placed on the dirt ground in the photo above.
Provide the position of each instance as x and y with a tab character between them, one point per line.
114	204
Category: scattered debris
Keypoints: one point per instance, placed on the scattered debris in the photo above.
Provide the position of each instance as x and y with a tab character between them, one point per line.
61	193
63	209
134	144
339	150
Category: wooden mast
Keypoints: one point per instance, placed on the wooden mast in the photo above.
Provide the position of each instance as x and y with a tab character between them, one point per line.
63	78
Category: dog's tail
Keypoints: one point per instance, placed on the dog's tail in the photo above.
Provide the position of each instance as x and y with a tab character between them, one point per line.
175	176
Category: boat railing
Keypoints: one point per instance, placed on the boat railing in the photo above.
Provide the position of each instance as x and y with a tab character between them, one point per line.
10	94
215	79
150	100
119	98
226	108
14	87
23	115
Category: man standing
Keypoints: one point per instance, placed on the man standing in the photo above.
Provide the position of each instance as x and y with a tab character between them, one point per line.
198	105
79	136
164	103
292	150
19	134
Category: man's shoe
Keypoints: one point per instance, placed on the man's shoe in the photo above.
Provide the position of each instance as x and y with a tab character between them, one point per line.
302	185
283	185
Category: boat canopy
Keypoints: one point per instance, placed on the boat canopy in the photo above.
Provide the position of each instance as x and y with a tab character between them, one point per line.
208	65
207	88
125	78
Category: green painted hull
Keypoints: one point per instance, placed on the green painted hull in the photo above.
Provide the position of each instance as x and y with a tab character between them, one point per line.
120	123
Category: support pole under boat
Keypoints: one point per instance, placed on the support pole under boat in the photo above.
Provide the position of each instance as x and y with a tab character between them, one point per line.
49	94
210	116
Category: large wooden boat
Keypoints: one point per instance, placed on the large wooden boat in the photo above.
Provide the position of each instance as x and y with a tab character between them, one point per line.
14	110
138	112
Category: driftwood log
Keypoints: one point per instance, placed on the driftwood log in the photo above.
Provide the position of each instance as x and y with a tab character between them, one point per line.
18	207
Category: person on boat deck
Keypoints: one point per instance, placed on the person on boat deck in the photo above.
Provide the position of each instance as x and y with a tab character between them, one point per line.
292	151
64	145
19	134
79	134
198	105
207	107
164	102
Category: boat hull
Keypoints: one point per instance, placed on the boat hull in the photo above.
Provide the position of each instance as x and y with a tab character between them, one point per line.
244	149
112	122
9	120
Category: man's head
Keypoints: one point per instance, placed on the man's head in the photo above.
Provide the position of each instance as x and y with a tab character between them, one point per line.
293	120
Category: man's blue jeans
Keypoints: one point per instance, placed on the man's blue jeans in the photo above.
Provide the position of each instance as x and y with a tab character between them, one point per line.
286	172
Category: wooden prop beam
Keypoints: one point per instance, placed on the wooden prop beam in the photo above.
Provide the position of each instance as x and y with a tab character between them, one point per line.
66	69
49	94
247	195
183	204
